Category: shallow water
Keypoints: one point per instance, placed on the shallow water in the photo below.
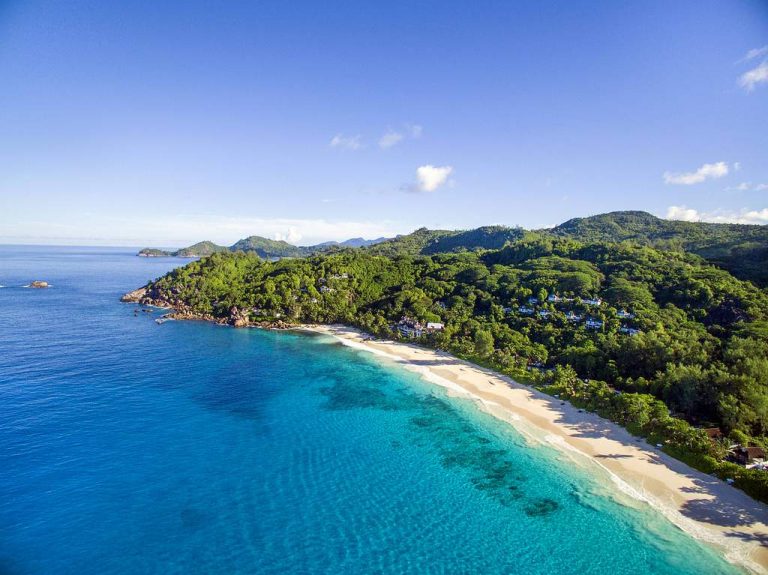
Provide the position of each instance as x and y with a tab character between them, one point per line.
131	447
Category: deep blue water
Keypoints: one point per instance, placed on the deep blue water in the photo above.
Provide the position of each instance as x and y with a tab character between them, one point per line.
132	447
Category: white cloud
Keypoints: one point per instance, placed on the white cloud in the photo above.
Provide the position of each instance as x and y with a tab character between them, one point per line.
705	172
755	53
750	217
753	77
391	138
291	235
346	142
744	216
682	213
394	137
429	177
747	187
415	130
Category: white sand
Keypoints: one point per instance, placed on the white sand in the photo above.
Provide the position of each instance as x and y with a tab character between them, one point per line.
703	506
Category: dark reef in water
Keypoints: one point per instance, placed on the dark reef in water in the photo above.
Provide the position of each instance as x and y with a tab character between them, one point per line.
438	426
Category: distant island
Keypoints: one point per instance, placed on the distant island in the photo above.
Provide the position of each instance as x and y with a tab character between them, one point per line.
660	326
261	246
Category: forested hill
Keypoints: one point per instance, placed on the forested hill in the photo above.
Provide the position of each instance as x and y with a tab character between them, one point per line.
741	249
420	242
267	248
426	242
200	249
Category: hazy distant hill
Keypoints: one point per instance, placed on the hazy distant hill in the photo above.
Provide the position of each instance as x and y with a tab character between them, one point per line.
200	249
267	248
359	242
154	253
740	249
262	246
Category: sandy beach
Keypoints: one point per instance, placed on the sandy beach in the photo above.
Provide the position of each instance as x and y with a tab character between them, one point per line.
703	506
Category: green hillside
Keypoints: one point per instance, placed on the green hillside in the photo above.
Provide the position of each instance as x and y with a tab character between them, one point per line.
200	249
740	249
267	248
426	242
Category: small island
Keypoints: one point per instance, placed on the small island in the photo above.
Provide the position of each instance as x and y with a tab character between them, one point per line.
153	253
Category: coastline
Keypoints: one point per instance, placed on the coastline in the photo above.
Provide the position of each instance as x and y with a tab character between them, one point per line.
703	506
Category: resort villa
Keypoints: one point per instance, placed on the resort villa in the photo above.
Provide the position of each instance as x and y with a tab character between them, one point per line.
409	327
594	323
629	331
749	456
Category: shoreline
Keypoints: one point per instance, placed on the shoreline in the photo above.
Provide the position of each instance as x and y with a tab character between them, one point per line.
703	506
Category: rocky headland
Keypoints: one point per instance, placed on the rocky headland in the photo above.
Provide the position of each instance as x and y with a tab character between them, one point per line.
236	318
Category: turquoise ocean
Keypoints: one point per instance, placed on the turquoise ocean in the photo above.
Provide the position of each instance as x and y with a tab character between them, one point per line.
131	447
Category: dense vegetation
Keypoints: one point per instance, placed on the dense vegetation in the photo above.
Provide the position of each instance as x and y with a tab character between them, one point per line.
200	249
427	242
740	249
675	344
267	248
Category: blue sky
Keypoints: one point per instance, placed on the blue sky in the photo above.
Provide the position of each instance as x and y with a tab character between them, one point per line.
138	123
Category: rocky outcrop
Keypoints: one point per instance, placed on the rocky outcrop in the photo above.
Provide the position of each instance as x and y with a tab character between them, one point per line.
238	318
193	316
149	295
134	296
37	284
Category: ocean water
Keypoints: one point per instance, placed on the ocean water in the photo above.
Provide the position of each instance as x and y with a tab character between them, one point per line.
131	447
